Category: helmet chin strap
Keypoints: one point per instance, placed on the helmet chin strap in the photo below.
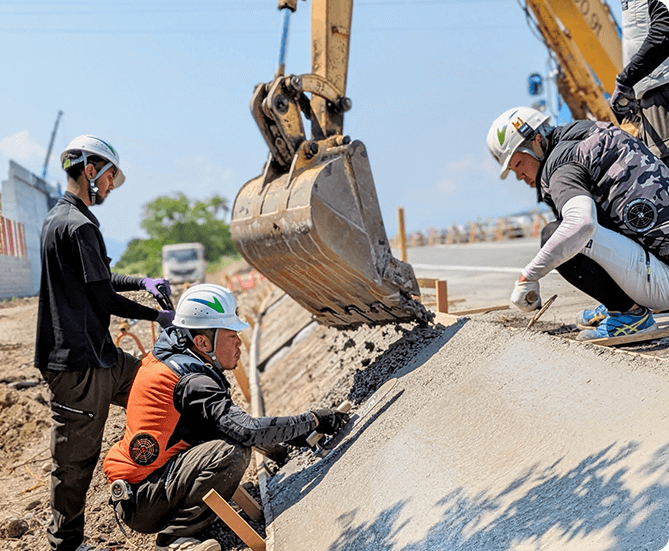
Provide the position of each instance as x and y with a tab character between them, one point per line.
212	354
529	152
92	183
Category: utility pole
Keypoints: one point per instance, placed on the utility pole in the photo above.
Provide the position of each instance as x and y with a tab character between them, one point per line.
48	153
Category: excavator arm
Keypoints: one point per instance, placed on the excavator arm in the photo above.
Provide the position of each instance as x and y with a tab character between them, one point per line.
311	222
583	37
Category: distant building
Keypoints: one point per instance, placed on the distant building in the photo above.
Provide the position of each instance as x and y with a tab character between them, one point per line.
25	200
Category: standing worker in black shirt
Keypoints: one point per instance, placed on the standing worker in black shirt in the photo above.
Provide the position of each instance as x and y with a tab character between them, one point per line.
642	87
75	352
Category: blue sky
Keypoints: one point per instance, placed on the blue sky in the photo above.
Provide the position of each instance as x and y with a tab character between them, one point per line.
168	83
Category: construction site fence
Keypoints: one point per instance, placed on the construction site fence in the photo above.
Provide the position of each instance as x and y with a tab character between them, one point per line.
12	238
475	232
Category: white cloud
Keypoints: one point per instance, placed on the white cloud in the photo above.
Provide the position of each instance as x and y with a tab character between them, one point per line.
459	172
23	148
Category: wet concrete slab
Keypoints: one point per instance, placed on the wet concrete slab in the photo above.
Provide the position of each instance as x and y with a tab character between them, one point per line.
494	439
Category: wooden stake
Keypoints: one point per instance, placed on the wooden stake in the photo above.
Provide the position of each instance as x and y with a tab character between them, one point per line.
242	380
246	502
402	234
442	296
236	523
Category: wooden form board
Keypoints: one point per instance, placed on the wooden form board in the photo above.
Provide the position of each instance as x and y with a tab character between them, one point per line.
439	285
661	332
247	504
481	310
236	523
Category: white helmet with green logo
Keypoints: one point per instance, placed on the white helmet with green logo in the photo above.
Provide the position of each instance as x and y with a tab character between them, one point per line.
92	145
208	306
510	131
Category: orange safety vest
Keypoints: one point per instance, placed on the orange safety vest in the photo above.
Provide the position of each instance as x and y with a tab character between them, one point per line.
152	419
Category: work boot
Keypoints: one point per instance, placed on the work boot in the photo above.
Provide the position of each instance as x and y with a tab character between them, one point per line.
591	318
620	324
190	544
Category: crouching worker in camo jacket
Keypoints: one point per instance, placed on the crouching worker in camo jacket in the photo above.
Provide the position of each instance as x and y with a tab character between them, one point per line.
184	435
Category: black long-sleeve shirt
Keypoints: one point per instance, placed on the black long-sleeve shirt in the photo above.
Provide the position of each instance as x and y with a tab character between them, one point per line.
78	292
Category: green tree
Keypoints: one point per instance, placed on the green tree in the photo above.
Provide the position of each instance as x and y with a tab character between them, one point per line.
177	219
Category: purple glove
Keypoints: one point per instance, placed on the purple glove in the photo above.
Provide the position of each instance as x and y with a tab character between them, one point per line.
151	285
165	318
623	102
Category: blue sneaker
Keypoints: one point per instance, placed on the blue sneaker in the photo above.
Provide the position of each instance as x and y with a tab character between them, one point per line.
591	318
618	324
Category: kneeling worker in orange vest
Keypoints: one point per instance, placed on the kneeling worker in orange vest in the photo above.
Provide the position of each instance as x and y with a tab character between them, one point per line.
184	436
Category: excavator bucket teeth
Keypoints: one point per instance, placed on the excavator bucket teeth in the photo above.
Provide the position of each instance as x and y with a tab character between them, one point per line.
317	233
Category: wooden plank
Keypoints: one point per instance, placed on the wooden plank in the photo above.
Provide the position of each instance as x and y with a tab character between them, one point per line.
661	332
236	523
242	380
247	504
445	319
426	282
481	310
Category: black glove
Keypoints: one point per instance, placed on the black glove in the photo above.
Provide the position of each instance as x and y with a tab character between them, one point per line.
165	318
330	420
298	441
623	102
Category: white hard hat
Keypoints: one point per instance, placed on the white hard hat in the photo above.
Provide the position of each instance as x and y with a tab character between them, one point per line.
92	145
510	130
208	306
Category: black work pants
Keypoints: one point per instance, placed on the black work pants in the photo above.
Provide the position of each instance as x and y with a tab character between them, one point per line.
588	276
169	500
79	408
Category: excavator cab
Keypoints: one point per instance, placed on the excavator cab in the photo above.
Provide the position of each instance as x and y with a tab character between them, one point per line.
311	222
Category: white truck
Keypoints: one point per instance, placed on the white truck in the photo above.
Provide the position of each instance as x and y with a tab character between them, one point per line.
184	263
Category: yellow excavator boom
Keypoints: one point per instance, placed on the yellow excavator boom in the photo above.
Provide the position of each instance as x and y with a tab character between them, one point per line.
585	41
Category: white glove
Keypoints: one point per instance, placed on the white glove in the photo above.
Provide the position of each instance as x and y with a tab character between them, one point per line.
526	295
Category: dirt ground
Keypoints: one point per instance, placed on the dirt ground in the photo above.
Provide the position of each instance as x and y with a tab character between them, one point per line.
317	367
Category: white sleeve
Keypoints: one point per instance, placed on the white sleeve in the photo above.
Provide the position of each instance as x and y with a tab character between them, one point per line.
579	221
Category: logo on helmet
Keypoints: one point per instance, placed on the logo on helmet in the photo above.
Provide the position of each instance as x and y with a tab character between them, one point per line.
501	134
216	305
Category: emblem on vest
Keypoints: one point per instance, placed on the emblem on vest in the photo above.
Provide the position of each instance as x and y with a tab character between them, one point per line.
144	449
640	215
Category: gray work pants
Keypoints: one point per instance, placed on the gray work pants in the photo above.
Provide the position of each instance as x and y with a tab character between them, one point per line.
79	408
169	500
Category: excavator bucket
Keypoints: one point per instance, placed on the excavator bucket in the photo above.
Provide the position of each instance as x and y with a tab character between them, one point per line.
317	233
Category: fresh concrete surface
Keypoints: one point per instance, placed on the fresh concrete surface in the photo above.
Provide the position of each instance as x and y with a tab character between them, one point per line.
494	439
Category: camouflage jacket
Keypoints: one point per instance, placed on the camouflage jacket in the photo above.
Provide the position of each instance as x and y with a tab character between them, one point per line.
628	183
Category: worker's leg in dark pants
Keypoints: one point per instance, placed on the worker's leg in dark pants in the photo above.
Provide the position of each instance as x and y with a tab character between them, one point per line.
654	128
588	276
169	500
79	408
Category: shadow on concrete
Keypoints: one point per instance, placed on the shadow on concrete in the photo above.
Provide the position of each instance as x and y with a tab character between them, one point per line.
589	500
303	482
